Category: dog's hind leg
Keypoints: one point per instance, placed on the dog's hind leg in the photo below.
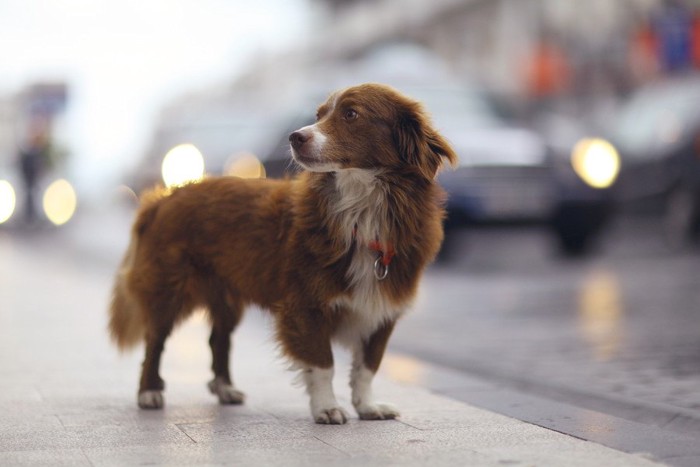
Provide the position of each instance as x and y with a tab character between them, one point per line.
225	316
152	385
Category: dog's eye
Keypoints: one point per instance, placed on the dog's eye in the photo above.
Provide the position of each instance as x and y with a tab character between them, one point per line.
350	114
318	116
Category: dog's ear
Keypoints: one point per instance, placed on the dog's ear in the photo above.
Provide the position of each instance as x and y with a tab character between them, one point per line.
418	143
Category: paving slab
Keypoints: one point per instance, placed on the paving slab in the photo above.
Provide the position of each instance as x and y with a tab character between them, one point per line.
69	397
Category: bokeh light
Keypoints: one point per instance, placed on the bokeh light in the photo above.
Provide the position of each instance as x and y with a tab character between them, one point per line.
182	164
596	161
244	165
60	202
8	200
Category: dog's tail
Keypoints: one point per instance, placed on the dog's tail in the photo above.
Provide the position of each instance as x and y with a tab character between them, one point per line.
126	319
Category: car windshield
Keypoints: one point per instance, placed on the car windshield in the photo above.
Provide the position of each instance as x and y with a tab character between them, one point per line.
469	121
657	119
219	139
456	107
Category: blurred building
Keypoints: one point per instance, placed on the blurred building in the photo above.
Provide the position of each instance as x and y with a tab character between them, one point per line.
518	49
484	40
531	54
8	144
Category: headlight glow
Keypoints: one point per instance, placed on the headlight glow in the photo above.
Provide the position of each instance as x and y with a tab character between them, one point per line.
181	165
596	161
60	202
8	200
244	165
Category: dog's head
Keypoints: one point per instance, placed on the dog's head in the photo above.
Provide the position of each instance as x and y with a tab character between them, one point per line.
371	126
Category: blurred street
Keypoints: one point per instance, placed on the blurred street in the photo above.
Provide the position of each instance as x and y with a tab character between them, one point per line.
613	334
561	324
67	396
616	332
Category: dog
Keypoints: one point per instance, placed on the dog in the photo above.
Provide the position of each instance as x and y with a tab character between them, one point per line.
335	254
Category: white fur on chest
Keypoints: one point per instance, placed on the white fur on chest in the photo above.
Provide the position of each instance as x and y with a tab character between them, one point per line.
361	209
366	308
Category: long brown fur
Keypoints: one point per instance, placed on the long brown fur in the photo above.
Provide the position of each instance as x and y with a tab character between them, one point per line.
226	243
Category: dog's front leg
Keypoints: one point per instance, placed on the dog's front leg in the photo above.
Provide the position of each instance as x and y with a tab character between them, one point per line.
324	407
305	338
367	356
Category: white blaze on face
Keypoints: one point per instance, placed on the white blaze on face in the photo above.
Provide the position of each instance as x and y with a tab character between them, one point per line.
310	155
316	142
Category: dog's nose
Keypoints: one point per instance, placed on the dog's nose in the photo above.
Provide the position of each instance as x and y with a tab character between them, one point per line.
298	138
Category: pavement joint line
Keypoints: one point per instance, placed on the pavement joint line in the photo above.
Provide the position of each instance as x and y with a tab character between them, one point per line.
87	458
571	435
412	426
332	446
63	425
673	419
185	433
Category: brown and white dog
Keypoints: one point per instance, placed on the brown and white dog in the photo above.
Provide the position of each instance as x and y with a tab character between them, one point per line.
335	254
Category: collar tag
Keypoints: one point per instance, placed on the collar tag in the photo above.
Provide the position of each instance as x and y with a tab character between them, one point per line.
381	270
385	255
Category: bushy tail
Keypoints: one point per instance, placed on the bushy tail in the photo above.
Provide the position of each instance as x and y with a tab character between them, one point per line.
126	320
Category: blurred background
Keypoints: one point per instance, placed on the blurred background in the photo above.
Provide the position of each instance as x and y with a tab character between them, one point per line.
561	113
573	215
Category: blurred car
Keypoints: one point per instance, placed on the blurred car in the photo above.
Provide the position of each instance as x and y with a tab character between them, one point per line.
221	130
506	174
512	175
657	133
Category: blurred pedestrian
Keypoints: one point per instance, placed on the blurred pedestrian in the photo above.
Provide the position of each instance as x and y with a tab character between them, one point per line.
34	160
547	73
643	59
695	39
673	24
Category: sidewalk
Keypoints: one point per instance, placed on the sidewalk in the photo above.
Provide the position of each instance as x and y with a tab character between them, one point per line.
68	398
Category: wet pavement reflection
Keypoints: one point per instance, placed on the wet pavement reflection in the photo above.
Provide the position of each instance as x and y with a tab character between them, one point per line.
618	331
600	313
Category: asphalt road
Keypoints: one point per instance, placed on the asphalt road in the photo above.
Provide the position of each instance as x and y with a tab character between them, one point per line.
617	331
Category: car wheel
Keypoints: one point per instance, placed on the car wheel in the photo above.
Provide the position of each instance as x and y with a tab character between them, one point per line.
573	243
577	224
681	218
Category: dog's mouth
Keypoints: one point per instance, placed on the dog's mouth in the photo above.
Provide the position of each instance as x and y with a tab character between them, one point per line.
303	159
313	164
306	161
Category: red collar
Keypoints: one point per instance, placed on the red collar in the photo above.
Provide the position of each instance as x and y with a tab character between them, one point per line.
386	252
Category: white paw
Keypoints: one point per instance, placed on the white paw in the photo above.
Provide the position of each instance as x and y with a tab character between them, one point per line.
331	416
151	399
226	393
377	411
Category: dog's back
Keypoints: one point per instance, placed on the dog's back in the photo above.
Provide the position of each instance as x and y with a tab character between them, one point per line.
183	243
